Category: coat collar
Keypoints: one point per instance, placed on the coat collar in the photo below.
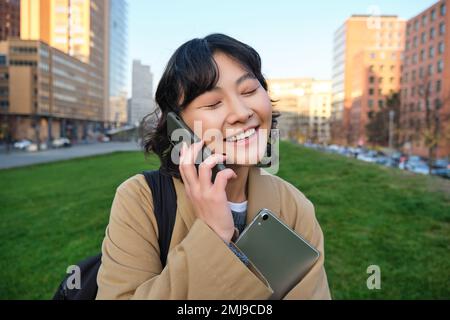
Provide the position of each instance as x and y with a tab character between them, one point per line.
262	193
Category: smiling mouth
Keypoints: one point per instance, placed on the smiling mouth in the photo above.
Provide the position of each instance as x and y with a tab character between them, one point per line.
243	136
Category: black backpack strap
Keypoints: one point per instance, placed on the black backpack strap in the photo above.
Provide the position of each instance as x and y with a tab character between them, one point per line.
165	207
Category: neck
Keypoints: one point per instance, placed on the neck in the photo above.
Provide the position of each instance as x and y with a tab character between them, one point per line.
236	189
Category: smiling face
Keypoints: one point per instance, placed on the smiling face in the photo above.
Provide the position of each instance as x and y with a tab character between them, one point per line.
235	117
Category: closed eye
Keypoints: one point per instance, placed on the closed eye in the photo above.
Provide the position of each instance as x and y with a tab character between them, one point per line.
250	92
212	106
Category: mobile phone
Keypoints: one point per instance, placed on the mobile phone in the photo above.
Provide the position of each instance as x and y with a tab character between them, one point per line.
175	122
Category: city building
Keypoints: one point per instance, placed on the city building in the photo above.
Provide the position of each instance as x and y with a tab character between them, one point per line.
46	93
305	107
78	28
9	19
142	102
367	49
116	113
425	95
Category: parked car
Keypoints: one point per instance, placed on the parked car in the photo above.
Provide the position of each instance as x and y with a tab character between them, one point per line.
22	144
417	164
61	142
368	156
441	167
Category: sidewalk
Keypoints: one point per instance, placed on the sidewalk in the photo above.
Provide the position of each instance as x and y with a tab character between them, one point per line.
23	158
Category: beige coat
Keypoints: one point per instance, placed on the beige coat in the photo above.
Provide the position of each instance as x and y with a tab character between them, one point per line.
199	264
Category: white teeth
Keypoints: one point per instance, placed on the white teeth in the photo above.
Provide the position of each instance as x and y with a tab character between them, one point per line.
242	136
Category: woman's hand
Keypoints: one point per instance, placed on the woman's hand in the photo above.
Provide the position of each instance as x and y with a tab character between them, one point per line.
209	200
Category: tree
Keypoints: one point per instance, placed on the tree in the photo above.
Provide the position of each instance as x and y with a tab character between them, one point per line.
377	129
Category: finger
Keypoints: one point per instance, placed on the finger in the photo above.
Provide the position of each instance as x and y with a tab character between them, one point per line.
187	163
223	177
205	169
180	167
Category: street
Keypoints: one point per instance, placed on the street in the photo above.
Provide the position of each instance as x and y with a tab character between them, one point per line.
22	158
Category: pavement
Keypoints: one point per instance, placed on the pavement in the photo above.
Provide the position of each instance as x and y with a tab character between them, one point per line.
19	158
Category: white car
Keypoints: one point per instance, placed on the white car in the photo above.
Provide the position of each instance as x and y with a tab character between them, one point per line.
61	142
22	144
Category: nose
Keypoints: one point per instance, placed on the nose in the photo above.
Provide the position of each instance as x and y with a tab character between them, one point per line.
239	112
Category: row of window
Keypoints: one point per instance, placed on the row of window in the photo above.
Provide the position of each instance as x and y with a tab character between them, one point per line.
22	63
423	37
413	107
423	54
381	68
433	16
371	103
380	79
439	68
27	50
422	89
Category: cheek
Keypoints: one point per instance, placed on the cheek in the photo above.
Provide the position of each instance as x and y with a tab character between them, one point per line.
263	107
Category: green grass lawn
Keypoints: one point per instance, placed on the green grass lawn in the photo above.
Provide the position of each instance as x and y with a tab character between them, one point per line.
53	215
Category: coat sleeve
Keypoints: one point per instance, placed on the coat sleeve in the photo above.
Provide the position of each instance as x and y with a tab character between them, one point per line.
314	284
201	266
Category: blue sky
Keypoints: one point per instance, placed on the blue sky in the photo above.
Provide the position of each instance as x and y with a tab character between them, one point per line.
293	37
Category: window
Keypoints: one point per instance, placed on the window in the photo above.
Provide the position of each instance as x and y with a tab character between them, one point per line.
442	28
414	59
416	24
421	73
422	55
431	52
371	92
430	69
2	60
441	47
443	9
371	68
381	67
415	42
380	103
371	79
380	80
423	37
370	103
392	68
438	85
424	20
432	33
413	91
440	66
391	79
407	45
433	14
414	75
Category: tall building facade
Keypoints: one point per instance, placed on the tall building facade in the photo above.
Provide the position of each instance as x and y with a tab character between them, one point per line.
425	109
117	113
305	107
9	19
366	69
78	28
142	102
46	93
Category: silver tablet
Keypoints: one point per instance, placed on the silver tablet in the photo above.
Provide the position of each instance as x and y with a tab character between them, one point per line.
280	254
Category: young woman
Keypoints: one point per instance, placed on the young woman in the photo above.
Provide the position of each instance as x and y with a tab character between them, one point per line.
214	84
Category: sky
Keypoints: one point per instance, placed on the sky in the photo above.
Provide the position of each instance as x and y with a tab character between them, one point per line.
293	37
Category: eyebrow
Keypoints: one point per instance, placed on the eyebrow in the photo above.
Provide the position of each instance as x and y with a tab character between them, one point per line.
241	79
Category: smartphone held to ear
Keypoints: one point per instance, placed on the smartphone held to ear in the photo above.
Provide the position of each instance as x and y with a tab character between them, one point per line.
178	132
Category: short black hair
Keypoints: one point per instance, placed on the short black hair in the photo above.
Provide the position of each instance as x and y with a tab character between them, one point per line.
190	72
